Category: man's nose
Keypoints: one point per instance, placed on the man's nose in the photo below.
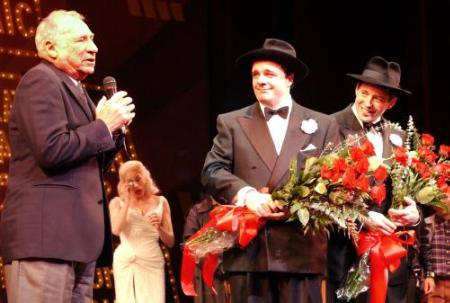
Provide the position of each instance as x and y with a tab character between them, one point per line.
92	47
262	79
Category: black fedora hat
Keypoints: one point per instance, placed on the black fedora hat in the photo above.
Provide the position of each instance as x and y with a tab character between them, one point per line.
278	51
380	72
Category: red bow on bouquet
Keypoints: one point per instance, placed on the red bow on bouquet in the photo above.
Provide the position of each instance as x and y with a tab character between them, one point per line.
385	254
226	222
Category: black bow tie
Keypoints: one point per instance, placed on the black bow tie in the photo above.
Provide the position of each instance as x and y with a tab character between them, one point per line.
282	112
368	125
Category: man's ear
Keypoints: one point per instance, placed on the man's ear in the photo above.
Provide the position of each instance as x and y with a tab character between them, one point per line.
392	102
51	49
291	78
357	87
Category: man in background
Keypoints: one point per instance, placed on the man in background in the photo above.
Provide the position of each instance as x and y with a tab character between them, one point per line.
376	91
55	223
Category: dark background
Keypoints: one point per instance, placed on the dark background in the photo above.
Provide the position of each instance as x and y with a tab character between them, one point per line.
177	62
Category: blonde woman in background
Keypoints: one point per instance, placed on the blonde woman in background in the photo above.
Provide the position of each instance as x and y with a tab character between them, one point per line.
140	218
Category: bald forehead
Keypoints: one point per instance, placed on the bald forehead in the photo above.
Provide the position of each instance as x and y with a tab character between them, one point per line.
67	23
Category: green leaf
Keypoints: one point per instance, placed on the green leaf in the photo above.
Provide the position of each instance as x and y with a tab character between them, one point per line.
308	166
295	206
425	195
303	216
320	188
302	191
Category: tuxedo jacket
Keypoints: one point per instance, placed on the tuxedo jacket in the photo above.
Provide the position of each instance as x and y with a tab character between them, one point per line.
341	251
243	154
55	204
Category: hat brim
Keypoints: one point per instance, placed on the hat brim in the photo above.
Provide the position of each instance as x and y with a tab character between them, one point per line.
293	64
395	90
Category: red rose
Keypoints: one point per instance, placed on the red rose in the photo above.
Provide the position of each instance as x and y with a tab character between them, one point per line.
367	148
442	184
340	165
444	150
427	154
427	139
422	169
440	169
380	174
349	178
378	193
401	156
325	172
362	183
362	166
356	153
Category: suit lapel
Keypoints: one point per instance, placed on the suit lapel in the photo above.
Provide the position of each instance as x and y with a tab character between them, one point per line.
90	104
351	124
294	140
78	94
255	128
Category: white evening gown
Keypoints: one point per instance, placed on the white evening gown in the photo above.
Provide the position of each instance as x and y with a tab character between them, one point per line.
138	264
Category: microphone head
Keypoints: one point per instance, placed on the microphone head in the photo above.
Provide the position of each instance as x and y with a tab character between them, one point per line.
109	86
109	81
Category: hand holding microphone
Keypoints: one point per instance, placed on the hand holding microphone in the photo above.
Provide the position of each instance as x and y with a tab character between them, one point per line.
116	109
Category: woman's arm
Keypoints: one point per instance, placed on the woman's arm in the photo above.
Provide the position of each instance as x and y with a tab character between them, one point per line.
118	214
166	229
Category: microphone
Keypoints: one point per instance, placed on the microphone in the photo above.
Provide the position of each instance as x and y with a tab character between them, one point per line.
109	86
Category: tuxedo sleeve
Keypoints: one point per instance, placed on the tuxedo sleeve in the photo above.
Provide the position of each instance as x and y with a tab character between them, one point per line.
217	174
41	104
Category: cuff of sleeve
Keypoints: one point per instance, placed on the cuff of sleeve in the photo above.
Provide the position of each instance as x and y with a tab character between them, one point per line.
417	223
242	194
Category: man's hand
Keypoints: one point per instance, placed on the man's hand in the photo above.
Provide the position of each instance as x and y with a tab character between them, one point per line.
116	112
428	285
405	216
263	205
379	223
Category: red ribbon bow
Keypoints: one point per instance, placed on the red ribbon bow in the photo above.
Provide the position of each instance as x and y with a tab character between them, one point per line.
385	254
223	218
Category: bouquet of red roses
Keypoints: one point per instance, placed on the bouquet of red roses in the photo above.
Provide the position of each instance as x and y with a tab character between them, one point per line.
333	189
419	172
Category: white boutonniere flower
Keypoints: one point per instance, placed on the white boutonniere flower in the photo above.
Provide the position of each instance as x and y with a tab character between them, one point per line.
396	139
309	126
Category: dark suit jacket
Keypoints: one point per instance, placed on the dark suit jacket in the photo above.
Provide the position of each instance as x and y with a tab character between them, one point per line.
55	205
243	154
342	253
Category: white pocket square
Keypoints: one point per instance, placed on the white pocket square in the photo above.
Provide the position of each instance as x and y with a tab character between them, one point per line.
309	148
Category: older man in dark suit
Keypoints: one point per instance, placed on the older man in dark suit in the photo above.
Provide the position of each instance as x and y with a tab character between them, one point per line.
252	150
55	223
376	92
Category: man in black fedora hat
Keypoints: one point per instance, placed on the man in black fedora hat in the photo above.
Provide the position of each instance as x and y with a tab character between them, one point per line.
252	150
377	90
